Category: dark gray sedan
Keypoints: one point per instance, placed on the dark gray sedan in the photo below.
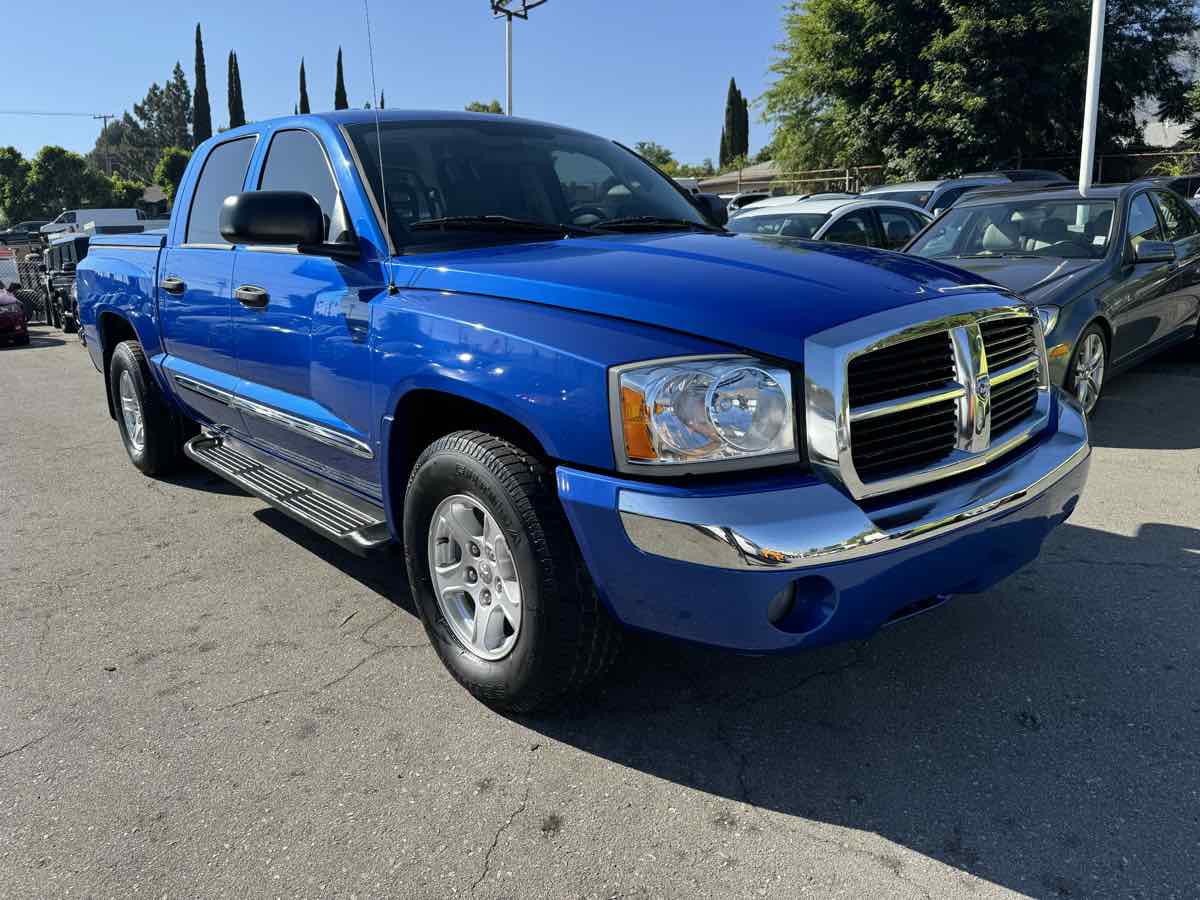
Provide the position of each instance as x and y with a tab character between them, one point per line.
1115	273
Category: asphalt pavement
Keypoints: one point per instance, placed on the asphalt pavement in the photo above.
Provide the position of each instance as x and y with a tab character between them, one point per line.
200	698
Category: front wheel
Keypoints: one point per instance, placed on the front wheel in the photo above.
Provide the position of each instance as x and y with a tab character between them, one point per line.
500	586
149	430
1088	368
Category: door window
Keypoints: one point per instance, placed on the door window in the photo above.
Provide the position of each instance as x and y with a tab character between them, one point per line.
899	226
223	175
1178	221
1143	221
853	228
297	162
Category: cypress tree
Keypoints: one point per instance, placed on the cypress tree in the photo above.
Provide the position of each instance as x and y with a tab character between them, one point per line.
339	91
729	136
381	100
201	113
304	108
237	110
744	128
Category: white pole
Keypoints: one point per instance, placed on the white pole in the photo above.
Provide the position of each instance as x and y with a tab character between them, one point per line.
1087	153
508	61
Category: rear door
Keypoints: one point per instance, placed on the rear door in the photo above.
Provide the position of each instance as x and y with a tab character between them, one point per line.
194	291
301	328
1181	300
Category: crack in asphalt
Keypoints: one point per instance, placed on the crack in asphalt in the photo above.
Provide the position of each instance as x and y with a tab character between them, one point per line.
487	859
15	750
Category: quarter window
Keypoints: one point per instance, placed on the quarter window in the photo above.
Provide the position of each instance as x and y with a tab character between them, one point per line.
1143	222
296	162
853	228
1177	218
899	226
223	175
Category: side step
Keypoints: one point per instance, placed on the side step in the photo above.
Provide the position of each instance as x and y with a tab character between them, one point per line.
359	528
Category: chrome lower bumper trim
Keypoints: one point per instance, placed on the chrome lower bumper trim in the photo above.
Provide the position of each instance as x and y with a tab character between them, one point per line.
819	525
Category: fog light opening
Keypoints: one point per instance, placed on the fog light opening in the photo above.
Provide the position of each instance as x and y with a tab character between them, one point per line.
804	605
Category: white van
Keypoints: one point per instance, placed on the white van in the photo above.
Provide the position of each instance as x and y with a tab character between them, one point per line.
76	220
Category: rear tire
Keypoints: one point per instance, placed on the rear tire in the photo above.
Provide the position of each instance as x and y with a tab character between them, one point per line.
565	637
149	429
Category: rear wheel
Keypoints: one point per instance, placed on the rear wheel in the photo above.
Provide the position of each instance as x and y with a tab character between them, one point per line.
149	429
496	576
1088	368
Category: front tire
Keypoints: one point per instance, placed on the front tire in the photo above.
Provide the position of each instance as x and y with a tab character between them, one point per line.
495	574
1088	368
149	430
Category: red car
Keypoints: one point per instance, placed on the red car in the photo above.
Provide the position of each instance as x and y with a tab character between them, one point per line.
12	320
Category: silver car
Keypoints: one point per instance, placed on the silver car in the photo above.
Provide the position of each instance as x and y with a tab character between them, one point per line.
846	219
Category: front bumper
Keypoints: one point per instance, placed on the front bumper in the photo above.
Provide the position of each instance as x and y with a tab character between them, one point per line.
707	564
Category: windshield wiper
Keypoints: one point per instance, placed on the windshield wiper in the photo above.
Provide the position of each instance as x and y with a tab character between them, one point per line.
993	256
652	223
498	223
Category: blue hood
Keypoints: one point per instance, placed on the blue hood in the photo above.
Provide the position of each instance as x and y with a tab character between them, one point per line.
756	294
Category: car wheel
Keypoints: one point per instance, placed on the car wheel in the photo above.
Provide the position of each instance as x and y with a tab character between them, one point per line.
148	428
22	341
1088	368
497	579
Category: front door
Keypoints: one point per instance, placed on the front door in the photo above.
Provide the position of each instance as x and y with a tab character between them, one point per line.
194	293
301	324
1181	301
1137	304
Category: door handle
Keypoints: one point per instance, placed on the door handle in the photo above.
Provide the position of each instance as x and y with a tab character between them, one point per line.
173	285
252	296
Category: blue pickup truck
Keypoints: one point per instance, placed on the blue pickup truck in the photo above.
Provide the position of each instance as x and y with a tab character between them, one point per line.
521	353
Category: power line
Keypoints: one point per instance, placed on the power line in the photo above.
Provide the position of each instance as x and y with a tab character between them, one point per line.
40	112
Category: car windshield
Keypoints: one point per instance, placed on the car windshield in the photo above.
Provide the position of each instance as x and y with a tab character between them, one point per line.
1058	229
916	198
797	225
444	176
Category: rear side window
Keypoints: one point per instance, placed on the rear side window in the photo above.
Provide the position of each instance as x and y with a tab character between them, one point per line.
223	175
297	162
1178	219
899	226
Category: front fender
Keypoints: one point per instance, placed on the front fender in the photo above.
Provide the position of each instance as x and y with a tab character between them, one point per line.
1073	318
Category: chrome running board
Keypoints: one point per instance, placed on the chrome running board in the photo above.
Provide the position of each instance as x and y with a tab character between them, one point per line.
359	527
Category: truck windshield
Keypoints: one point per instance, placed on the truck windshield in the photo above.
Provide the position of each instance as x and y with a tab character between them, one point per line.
463	171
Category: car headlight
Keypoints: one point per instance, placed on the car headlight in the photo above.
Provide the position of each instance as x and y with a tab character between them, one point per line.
731	409
1049	316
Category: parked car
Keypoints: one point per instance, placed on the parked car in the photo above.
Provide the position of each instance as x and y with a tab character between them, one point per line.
13	326
1020	175
932	196
1115	274
22	232
847	219
76	220
644	421
59	261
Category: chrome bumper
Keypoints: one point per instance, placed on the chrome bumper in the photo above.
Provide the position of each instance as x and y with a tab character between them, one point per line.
818	525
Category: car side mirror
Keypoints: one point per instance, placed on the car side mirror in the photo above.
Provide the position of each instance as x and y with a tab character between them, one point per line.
1154	251
276	218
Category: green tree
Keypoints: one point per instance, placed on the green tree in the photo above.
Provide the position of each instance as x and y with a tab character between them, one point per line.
735	135
124	193
339	90
15	200
655	153
304	107
201	111
169	171
60	179
935	87
480	106
237	109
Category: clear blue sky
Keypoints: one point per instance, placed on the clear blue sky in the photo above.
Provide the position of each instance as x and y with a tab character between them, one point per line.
627	69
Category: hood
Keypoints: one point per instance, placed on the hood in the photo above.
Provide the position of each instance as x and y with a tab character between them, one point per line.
1033	279
756	294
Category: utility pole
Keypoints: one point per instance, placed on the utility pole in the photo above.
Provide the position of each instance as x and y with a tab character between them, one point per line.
1091	106
104	136
506	9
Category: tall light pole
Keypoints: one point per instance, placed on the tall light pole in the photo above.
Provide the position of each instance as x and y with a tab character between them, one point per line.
509	9
1091	103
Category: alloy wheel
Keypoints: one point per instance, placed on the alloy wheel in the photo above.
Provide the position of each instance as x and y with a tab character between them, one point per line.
475	577
131	413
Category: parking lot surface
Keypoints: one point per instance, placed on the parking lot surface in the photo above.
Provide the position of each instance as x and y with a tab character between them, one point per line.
198	697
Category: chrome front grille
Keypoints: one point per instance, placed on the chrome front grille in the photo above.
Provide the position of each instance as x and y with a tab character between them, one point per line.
892	404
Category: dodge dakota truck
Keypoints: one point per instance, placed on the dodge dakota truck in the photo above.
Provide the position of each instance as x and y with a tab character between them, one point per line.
522	354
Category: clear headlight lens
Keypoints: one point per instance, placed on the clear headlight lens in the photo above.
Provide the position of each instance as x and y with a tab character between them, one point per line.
1049	316
705	411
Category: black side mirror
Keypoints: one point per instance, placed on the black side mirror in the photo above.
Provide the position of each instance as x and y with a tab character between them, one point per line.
1154	251
279	218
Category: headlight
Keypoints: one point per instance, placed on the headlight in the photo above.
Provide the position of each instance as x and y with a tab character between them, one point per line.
1049	317
702	412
